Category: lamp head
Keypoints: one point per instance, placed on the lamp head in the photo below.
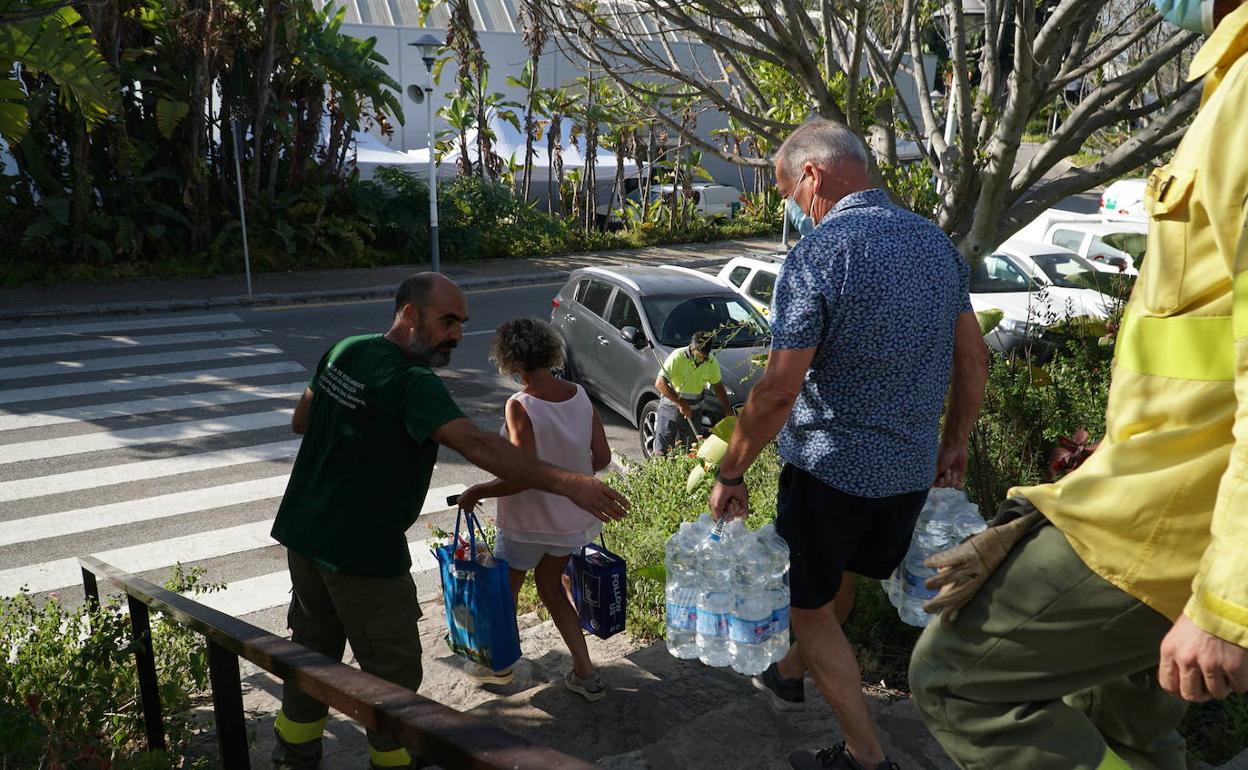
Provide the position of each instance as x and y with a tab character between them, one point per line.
428	45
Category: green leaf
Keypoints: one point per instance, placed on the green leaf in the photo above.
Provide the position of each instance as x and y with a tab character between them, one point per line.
988	319
13	115
655	572
169	114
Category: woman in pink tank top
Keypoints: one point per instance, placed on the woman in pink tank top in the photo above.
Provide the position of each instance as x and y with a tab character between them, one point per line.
539	531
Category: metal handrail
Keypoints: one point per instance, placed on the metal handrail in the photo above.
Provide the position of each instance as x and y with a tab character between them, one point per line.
434	732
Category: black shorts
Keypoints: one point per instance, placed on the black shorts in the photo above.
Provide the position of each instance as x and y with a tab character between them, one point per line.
830	532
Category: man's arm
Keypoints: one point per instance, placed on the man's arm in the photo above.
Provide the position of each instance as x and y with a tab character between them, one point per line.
520	432
966	394
299	421
665	388
765	412
510	463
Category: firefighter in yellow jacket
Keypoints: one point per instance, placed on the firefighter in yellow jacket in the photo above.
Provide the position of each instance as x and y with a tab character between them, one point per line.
1131	597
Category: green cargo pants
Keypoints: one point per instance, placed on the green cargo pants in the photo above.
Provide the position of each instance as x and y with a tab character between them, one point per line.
1049	667
328	609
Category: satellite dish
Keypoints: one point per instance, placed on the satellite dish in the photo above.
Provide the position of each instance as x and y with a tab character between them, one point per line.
416	94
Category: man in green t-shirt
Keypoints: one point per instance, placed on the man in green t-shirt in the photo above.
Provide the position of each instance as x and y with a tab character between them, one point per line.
682	382
373	417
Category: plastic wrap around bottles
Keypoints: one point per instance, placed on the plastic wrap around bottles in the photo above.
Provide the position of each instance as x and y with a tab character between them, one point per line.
948	517
727	595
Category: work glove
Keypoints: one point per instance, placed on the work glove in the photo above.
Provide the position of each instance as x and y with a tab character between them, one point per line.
962	570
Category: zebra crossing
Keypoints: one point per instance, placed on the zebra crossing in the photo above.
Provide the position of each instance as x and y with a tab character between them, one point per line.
150	442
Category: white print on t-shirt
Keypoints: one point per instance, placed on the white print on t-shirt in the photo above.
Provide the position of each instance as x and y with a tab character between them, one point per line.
342	388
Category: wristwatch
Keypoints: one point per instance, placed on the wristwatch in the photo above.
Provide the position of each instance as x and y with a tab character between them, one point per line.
738	481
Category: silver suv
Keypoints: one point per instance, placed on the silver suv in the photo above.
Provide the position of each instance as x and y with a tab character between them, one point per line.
618	323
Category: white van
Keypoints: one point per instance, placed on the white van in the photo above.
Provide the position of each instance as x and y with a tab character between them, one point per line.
711	200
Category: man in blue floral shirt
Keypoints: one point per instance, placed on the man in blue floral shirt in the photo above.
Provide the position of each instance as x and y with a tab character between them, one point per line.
869	318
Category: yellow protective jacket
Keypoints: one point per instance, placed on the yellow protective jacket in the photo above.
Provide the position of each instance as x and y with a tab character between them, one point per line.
1161	509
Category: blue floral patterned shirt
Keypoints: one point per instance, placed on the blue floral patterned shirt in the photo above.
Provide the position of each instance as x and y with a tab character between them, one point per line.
877	290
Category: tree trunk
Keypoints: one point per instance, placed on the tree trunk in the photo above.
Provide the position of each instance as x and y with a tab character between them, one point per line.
264	92
82	197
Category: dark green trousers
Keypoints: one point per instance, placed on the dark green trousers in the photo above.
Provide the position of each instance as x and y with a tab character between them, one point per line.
1049	667
328	609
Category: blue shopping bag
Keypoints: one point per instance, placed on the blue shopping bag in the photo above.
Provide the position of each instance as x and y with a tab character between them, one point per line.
599	589
480	611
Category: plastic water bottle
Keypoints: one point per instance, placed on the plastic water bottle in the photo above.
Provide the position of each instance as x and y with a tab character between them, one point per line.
714	567
947	518
749	628
682	593
777	592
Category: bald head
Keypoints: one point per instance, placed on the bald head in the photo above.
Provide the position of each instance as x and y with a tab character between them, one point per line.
429	316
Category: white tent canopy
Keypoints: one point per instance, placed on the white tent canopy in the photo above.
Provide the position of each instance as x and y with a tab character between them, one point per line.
371	153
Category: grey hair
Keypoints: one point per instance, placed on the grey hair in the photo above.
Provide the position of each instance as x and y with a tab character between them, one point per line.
526	345
823	143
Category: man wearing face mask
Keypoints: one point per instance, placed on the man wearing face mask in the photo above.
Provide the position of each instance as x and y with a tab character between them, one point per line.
869	315
372	418
1130	584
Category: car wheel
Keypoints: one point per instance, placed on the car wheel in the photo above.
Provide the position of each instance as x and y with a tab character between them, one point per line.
648	429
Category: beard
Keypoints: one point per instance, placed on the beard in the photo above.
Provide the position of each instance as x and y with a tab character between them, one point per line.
433	354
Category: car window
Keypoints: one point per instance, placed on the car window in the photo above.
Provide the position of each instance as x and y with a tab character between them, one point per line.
595	297
1131	243
1104	252
735	322
762	287
624	312
1068	239
1059	268
738	275
998	274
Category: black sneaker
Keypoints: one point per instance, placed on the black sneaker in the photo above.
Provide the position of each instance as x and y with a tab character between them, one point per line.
835	758
783	694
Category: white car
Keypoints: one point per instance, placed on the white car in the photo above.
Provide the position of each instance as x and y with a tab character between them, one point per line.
1109	247
753	277
1124	199
1028	282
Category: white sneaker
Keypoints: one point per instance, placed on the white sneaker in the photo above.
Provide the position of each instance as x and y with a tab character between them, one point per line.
590	688
482	675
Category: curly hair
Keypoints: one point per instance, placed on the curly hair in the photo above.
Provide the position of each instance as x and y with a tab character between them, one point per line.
526	345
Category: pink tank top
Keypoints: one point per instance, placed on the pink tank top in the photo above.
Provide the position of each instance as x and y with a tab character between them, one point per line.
562	432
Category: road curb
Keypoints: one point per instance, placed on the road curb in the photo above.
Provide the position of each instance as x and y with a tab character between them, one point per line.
54	312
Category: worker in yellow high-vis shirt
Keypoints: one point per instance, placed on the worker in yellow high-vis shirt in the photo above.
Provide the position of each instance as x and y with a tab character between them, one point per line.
1130	596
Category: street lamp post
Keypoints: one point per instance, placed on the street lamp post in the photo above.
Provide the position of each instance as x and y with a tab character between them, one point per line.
429	45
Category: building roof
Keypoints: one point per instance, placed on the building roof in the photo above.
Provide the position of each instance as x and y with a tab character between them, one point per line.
488	15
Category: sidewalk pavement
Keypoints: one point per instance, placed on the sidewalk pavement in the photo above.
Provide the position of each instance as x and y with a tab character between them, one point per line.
163	296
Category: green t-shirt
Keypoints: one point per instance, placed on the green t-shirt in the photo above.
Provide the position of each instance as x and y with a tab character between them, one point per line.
364	466
687	377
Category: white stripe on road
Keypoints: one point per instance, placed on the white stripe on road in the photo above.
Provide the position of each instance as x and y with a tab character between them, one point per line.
119	325
61	573
146	509
224	374
151	405
73	481
243	597
155	434
107	363
117	342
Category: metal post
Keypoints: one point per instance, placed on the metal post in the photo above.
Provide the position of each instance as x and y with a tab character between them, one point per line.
149	689
242	209
90	589
434	257
227	707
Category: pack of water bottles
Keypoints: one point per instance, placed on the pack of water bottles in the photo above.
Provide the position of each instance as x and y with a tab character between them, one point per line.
948	517
728	595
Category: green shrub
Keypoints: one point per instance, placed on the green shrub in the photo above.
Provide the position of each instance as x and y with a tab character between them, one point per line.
69	687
